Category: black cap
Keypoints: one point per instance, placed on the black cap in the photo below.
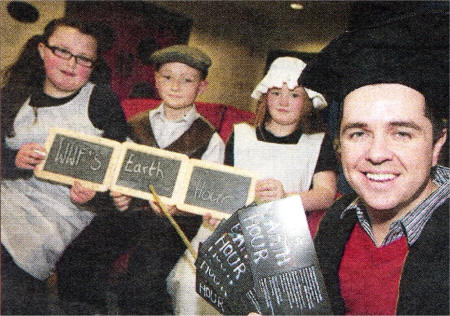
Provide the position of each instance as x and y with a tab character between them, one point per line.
409	48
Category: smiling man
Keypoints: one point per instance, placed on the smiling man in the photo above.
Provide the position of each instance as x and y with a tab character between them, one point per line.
385	249
388	151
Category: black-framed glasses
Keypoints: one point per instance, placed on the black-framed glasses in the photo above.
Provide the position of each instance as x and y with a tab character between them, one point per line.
65	54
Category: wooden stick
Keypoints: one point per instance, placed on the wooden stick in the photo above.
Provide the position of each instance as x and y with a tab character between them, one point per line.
173	222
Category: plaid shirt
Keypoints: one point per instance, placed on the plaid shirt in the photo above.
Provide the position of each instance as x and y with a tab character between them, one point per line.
412	224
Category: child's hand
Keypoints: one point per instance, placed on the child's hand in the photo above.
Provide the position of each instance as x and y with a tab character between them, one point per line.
121	201
209	220
80	194
172	209
269	190
30	155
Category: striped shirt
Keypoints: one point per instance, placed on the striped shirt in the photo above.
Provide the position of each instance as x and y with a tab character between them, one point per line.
412	224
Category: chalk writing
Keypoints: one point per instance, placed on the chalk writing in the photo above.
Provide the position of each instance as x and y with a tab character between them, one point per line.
215	189
152	169
71	153
102	164
74	157
202	192
140	168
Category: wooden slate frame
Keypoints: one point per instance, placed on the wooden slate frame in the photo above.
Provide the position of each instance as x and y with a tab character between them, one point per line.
54	134
138	161
213	167
129	147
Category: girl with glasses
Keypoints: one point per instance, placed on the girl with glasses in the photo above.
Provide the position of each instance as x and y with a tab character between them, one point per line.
48	86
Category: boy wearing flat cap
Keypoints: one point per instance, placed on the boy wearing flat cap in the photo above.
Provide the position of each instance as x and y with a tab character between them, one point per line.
175	125
385	249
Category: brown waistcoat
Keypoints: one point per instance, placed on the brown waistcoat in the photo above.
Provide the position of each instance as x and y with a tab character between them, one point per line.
192	143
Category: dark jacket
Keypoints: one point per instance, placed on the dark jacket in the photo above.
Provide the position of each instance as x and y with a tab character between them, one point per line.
424	284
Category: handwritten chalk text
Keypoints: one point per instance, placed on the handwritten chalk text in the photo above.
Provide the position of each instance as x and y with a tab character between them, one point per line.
153	169
72	154
202	192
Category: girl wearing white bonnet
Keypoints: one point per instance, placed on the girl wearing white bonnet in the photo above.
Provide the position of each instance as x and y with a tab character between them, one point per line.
287	145
288	149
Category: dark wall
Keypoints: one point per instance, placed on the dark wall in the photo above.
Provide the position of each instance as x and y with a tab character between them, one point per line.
133	30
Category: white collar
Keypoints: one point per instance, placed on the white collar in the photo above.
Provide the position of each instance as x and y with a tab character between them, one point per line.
189	117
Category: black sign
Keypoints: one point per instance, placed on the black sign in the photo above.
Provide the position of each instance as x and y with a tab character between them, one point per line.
262	259
283	259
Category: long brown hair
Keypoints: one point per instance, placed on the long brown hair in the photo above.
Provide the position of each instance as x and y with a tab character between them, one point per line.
27	74
310	122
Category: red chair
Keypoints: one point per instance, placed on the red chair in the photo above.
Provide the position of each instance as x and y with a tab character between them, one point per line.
222	116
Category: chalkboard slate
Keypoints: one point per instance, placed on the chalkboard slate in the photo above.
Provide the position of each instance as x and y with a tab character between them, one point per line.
77	156
217	189
139	166
192	185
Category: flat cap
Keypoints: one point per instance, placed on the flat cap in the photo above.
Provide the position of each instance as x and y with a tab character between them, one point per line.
408	48
185	54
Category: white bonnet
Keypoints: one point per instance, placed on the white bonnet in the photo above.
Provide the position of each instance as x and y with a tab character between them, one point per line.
287	70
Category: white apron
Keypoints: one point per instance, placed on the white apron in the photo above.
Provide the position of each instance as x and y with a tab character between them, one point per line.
38	220
292	164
